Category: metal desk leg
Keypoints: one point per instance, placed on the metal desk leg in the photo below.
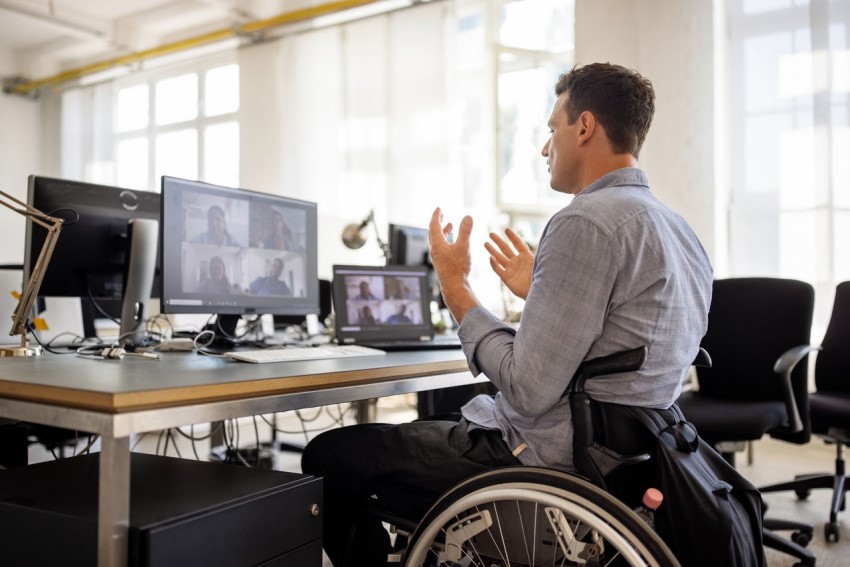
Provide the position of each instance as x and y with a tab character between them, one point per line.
366	411
113	505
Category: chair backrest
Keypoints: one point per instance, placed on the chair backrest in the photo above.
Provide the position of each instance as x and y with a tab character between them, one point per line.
832	366
751	322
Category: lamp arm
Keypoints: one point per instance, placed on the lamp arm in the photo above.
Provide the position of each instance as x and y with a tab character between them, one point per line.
383	245
30	291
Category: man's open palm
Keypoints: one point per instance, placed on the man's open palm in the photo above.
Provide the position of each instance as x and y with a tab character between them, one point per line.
512	262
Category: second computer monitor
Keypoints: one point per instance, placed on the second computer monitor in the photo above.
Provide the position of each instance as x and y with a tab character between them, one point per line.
237	252
92	254
409	245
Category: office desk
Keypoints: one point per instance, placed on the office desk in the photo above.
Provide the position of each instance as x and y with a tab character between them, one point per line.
115	398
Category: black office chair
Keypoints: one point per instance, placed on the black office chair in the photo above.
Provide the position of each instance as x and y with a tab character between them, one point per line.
829	407
758	337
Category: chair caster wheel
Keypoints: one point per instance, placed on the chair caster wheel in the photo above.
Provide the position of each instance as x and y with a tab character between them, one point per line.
802	493
801	538
830	531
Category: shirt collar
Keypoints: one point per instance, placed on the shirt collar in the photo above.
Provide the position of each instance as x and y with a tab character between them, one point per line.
632	176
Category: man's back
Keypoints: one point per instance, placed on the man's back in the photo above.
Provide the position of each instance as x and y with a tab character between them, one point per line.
616	269
660	297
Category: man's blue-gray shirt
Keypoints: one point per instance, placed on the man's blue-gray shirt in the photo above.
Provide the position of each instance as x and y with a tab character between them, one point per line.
615	269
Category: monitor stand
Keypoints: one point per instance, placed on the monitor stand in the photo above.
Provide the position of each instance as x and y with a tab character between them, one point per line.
138	280
224	328
90	313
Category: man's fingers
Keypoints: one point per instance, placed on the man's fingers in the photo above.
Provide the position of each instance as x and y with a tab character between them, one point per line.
436	228
464	230
436	221
503	246
496	267
518	242
495	254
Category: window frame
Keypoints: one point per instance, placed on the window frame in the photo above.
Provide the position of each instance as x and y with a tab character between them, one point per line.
199	124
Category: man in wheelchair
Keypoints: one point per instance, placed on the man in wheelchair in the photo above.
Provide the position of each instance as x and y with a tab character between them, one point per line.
615	269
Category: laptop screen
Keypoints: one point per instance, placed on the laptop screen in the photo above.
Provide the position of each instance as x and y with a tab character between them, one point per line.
381	303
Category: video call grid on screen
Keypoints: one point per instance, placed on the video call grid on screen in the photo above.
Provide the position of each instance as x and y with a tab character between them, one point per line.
379	300
237	248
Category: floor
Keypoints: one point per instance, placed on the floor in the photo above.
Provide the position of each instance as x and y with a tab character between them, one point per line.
773	461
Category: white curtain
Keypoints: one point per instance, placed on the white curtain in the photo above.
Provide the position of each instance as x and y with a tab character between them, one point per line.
789	141
364	125
86	134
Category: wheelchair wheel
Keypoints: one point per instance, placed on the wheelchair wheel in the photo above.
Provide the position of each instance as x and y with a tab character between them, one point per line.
528	516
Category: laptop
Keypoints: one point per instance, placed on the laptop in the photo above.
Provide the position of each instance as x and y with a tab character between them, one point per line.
385	307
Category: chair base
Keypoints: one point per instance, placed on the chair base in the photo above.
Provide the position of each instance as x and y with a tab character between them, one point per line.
789	546
802	485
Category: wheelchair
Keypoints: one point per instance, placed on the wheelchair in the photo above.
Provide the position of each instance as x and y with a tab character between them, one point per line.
528	516
523	516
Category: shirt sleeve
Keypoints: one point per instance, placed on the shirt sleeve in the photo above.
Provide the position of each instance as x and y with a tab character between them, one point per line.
574	273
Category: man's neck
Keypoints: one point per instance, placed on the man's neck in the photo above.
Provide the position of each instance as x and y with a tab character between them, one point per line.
606	165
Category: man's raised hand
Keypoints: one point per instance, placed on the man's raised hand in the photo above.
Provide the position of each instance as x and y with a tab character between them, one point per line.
512	262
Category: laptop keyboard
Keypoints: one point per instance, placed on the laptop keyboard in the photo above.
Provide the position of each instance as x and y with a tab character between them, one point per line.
289	354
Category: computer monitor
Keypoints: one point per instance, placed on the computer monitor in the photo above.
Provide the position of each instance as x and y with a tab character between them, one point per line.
234	252
409	245
92	258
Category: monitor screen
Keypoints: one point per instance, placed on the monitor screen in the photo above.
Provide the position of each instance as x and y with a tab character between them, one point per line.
237	252
409	245
381	303
92	252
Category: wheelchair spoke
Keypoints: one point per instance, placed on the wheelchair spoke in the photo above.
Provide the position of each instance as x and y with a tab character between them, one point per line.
583	526
502	535
522	530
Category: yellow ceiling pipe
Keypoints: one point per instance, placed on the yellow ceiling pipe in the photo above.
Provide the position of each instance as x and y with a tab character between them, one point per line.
29	87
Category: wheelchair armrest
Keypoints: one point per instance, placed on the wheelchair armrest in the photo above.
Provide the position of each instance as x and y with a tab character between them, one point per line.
625	361
784	366
703	359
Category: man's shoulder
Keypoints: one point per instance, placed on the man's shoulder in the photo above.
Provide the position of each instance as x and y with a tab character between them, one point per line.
610	208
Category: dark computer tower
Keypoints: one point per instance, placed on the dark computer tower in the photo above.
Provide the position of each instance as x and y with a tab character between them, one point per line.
182	512
13	444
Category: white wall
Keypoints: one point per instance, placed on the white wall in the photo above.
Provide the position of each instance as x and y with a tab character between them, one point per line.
20	155
671	43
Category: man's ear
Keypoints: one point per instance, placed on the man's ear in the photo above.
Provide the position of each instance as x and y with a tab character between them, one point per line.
586	126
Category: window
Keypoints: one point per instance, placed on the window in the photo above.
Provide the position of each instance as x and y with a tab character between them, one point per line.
790	179
530	59
182	122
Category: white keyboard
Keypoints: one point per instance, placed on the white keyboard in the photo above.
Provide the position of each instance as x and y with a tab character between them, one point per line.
302	353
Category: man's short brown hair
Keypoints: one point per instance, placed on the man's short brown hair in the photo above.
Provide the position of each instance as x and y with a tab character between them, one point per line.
620	99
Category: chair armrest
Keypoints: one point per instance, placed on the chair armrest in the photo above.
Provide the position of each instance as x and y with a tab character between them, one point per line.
703	359
625	361
784	366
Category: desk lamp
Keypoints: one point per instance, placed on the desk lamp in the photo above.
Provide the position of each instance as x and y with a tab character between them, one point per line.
354	236
30	292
